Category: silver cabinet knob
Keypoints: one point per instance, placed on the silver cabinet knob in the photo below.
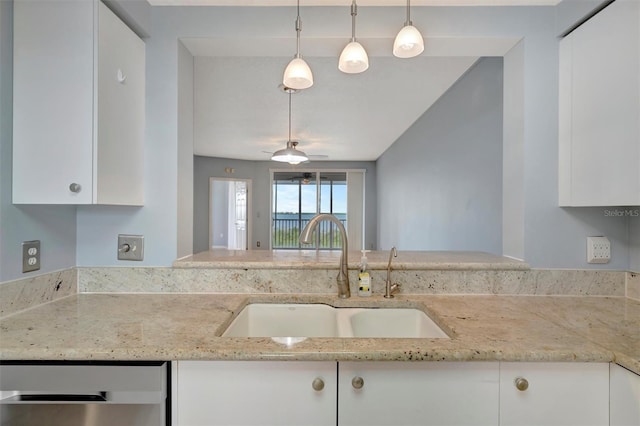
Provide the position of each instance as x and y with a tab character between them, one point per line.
75	187
521	383
357	382
317	384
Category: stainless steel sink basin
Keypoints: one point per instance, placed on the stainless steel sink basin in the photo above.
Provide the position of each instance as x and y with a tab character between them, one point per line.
316	320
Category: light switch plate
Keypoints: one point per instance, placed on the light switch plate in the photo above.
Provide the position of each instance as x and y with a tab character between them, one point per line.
130	247
30	256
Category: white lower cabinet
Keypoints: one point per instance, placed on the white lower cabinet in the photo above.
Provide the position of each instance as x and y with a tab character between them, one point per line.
233	393
418	393
546	394
624	397
285	393
230	393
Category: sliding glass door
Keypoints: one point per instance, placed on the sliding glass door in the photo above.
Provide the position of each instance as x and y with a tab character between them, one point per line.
300	195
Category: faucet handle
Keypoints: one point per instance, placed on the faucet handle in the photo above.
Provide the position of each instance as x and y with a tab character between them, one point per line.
391	290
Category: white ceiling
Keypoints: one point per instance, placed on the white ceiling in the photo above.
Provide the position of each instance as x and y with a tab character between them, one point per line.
348	2
239	111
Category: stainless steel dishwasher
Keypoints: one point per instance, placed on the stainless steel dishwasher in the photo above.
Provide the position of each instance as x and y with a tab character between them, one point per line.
84	393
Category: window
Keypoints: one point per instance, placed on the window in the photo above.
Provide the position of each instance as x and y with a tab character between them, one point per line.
300	195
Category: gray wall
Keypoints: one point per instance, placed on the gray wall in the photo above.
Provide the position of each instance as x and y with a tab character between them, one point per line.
185	152
258	172
634	240
54	226
571	11
440	183
553	237
219	209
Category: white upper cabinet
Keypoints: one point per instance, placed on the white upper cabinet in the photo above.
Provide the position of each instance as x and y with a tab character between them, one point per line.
79	113
599	129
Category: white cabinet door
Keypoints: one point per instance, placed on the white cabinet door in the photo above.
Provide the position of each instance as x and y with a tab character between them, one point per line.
562	394
211	393
421	393
78	129
121	112
52	101
599	133
624	397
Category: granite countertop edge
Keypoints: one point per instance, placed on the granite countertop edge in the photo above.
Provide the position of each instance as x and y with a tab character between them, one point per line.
377	259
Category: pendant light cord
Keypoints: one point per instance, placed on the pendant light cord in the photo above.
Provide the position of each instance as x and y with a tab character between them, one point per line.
289	116
408	13
354	12
298	30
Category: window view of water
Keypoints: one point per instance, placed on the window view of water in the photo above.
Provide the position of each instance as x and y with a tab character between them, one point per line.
286	229
297	197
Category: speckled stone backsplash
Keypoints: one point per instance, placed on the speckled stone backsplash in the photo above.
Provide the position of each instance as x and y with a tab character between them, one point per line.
25	293
177	280
633	285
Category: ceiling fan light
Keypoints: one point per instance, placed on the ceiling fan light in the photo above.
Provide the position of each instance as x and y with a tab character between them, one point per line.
353	59
408	42
290	155
298	74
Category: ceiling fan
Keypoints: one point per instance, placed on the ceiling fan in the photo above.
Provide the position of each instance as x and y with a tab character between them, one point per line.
306	178
291	154
292	145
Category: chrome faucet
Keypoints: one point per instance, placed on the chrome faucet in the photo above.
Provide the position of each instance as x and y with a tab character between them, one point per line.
343	275
391	288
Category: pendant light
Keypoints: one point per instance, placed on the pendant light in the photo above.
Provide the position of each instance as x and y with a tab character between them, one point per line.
298	75
353	58
290	154
408	42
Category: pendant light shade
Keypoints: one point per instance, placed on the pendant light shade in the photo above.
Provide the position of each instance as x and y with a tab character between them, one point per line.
290	154
408	42
298	74
353	58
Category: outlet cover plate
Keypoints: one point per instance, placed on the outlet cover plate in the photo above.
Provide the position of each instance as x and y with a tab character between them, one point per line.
598	250
30	256
130	247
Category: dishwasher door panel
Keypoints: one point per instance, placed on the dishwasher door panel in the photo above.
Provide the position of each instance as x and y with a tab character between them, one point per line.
81	414
83	394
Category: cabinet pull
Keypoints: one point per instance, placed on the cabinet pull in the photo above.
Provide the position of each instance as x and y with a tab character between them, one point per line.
75	187
357	382
317	384
522	384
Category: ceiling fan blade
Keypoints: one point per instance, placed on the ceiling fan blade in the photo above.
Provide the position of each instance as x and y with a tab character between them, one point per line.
316	156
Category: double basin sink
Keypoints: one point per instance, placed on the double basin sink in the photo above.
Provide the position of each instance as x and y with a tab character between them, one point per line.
319	320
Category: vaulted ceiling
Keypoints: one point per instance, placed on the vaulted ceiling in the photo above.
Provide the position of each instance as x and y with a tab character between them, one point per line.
241	113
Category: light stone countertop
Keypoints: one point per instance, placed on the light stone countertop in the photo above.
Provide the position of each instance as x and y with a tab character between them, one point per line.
312	259
188	326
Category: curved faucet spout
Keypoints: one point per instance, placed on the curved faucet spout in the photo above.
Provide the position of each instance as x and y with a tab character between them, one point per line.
343	275
391	288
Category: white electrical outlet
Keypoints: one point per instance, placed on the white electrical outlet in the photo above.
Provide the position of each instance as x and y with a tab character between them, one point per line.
598	250
30	256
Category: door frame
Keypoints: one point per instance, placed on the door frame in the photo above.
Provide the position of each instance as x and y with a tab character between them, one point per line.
249	222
